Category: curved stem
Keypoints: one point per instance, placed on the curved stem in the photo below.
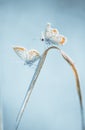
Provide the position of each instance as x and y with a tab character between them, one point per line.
29	91
69	60
35	76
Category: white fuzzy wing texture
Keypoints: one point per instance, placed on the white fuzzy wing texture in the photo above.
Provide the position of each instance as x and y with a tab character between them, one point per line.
60	39
33	54
21	52
53	36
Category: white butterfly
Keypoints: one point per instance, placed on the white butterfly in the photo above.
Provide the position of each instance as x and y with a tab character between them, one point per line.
52	36
29	57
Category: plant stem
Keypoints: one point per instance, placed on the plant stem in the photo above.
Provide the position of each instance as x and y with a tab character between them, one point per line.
69	60
35	76
29	91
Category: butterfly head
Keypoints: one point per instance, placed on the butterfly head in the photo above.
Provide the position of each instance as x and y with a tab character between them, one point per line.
42	37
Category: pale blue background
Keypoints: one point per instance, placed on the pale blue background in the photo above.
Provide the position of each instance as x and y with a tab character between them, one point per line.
54	103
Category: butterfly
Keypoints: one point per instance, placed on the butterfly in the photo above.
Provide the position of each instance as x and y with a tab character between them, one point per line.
52	36
29	57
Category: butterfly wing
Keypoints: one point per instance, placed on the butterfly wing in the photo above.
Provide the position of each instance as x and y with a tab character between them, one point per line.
58	39
50	32
52	36
21	52
28	56
33	54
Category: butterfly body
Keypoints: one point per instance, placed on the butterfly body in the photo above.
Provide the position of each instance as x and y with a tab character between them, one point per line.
29	57
52	36
30	62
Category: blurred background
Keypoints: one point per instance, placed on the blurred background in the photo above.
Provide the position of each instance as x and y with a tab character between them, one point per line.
54	103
